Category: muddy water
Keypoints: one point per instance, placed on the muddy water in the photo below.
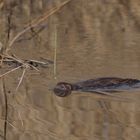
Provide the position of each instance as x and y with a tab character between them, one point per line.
91	39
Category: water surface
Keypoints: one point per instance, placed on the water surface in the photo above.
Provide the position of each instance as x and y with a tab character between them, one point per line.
93	39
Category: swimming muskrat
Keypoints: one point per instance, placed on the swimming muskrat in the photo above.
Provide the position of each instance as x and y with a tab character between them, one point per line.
98	85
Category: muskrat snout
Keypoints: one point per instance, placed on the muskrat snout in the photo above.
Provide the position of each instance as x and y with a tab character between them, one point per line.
63	89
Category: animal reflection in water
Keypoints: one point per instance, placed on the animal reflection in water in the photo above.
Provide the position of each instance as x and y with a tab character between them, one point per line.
104	86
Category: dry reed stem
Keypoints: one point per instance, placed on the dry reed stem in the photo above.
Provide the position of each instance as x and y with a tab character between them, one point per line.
55	51
21	78
1	61
20	118
13	58
16	59
29	65
39	62
11	125
8	123
24	65
46	15
36	22
6	108
10	71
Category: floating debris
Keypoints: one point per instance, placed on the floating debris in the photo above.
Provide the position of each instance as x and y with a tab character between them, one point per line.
15	63
35	63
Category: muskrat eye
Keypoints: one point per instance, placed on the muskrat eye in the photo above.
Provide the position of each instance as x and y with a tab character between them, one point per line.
63	87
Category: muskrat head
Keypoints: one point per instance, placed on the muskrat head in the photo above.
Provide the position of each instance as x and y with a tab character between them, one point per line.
63	89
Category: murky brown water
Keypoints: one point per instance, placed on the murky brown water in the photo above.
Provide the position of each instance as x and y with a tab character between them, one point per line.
93	39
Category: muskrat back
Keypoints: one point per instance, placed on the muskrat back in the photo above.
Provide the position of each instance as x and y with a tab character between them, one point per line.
63	89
